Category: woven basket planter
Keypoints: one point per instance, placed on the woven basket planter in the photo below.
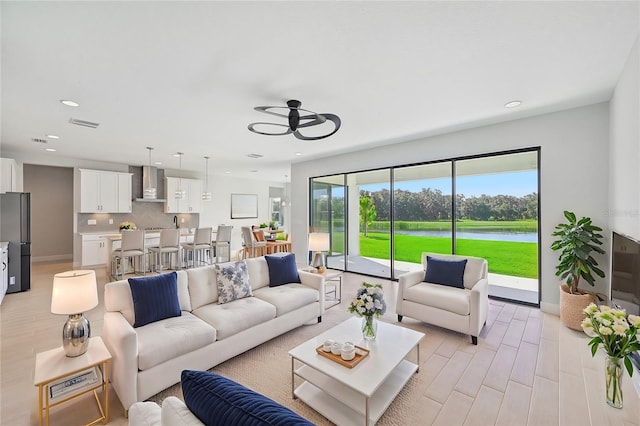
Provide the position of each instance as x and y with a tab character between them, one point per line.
571	306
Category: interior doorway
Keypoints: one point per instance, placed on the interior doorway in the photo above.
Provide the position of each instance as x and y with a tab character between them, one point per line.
51	191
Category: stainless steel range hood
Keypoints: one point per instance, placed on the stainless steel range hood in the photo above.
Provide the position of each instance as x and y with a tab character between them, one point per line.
150	188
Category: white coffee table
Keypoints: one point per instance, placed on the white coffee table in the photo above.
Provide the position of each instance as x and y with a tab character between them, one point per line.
359	395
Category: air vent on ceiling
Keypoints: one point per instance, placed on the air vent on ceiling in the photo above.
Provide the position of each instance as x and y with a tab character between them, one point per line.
255	155
83	123
38	140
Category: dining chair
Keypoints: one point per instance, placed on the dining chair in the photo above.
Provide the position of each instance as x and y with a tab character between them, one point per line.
199	248
169	245
131	247
251	244
223	241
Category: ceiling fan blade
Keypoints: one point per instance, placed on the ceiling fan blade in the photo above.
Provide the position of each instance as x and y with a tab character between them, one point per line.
266	109
314	120
330	117
261	132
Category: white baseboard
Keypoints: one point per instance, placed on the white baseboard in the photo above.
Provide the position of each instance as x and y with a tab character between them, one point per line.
550	308
54	258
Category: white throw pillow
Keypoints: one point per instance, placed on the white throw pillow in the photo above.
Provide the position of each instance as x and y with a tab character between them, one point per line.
233	281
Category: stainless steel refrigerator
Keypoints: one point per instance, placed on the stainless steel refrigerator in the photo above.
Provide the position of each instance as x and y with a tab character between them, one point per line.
15	228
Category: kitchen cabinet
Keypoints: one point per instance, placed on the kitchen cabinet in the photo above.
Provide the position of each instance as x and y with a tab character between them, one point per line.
105	192
124	193
94	250
191	203
8	175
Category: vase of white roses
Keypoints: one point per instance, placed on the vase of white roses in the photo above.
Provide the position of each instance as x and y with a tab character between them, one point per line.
617	333
369	304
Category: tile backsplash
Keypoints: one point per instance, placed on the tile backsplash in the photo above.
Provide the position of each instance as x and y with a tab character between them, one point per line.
144	215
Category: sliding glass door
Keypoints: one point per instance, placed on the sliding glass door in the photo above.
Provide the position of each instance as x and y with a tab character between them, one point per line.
369	222
497	219
381	221
328	209
422	210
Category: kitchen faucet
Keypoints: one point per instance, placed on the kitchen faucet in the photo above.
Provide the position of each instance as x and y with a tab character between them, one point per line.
175	220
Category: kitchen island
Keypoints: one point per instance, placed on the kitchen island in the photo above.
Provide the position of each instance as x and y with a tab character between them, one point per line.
98	246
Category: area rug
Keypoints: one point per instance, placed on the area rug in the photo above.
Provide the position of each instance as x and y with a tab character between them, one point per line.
267	370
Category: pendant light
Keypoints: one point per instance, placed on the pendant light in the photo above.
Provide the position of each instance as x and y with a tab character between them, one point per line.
285	200
149	191
206	195
180	193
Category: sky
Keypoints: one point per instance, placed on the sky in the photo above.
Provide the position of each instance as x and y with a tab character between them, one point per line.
517	184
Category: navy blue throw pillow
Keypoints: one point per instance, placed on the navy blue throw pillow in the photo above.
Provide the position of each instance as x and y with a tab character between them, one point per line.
155	298
445	272
282	270
216	400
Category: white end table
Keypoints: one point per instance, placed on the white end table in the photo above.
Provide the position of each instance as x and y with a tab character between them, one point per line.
333	287
54	365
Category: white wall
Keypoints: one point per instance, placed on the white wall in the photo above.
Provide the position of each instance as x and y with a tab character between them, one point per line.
573	169
624	159
218	211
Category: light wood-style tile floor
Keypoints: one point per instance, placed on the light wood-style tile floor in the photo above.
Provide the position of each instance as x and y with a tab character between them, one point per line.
527	368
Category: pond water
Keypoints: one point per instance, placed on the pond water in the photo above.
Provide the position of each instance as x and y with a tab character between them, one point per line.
520	237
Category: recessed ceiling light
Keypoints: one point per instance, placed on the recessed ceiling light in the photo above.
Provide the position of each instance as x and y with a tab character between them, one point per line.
53	137
513	104
298	154
50	150
69	103
158	163
227	172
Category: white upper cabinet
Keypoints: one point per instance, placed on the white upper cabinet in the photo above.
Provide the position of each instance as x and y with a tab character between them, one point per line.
105	192
124	193
8	175
191	203
194	195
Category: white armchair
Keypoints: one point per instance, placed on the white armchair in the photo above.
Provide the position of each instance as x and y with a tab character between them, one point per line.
460	309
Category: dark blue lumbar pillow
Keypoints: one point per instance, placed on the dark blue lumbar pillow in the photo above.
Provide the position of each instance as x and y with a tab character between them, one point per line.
216	400
282	270
445	272
155	298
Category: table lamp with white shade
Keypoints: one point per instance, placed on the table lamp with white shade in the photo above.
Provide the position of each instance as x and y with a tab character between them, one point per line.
75	292
318	242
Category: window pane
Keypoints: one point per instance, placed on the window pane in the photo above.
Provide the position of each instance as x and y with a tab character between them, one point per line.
369	223
497	219
422	209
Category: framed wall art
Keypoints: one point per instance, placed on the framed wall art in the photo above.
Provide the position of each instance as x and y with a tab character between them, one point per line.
244	206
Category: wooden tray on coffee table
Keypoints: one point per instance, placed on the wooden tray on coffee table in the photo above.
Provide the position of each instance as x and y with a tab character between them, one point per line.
361	353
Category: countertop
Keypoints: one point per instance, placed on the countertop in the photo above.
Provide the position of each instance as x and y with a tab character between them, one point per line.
183	231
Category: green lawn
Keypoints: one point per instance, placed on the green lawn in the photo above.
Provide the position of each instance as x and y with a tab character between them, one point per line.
504	257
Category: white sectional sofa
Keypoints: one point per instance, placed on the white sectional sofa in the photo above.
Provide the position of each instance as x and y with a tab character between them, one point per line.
150	358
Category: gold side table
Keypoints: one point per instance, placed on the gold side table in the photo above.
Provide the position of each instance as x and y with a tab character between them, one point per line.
54	366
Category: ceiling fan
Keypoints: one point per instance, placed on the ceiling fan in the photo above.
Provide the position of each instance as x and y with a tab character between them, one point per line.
295	120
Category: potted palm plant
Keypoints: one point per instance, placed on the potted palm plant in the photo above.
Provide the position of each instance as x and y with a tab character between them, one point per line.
577	240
